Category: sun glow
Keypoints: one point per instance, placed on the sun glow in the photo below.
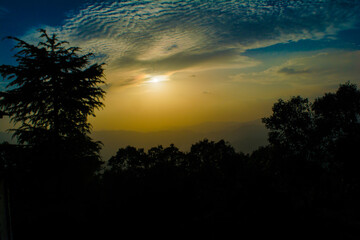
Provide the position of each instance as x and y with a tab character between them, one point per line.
158	78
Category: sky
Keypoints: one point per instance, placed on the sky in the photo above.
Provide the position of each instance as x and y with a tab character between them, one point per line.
172	64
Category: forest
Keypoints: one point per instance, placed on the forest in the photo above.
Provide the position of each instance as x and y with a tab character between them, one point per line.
304	183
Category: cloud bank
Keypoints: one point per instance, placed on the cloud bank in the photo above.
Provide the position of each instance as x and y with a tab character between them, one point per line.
141	38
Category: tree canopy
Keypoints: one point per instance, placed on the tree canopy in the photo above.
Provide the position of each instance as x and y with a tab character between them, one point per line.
326	131
52	90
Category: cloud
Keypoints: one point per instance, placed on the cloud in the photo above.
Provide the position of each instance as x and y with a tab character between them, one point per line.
291	71
332	67
170	36
187	60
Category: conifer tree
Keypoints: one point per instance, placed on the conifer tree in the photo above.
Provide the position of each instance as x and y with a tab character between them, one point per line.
51	92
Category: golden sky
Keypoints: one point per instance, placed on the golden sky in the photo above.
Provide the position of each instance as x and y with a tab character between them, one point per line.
172	100
171	64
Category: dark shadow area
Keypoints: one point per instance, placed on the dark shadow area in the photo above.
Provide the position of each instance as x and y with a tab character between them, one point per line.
304	184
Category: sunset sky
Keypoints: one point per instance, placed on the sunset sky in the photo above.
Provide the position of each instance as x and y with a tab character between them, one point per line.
171	64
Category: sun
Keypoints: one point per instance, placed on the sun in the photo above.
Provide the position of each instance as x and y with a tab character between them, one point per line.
158	78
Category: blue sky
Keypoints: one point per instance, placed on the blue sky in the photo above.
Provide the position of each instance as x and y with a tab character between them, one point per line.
18	17
177	63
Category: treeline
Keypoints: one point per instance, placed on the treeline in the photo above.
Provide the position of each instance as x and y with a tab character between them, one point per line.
305	183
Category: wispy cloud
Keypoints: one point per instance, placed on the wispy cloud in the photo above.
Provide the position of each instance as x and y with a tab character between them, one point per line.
156	37
292	71
322	68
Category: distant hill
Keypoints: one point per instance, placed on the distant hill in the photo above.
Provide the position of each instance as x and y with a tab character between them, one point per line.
244	137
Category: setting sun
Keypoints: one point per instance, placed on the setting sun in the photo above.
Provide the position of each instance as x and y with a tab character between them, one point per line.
159	78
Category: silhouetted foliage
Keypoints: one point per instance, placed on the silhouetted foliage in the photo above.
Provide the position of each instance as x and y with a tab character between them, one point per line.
49	96
52	90
325	131
291	124
338	128
313	152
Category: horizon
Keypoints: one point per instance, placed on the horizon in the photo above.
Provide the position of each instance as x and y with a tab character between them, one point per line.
245	137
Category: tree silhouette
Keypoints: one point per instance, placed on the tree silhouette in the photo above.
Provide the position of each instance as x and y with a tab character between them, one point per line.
319	131
128	158
50	94
52	90
338	129
313	157
291	124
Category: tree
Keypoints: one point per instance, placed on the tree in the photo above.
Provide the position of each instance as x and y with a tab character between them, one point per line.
291	125
165	157
51	92
49	96
338	114
323	130
338	128
309	138
128	158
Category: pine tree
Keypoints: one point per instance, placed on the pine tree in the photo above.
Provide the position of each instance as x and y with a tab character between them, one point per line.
51	92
